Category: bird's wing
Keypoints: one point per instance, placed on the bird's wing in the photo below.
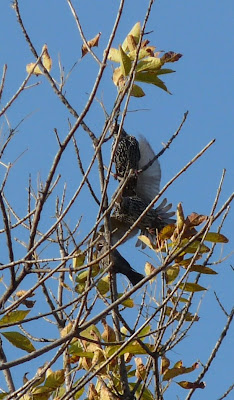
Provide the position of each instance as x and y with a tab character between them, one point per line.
148	181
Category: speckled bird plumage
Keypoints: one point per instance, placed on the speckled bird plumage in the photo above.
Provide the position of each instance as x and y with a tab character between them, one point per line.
130	208
126	158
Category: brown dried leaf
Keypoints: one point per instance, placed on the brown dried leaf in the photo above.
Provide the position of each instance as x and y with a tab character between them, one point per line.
91	43
171	56
192	385
195	219
131	43
165	364
108	335
92	394
28	303
140	368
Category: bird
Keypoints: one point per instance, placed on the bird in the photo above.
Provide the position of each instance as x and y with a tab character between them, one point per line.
140	190
129	208
120	264
126	158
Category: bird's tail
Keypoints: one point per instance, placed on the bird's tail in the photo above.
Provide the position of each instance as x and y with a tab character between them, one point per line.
164	219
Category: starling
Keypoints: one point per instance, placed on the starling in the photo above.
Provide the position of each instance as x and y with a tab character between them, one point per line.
129	209
126	158
120	264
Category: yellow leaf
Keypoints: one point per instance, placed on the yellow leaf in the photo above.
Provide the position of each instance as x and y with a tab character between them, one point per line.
66	329
147	241
36	71
118	77
135	32
149	268
21	293
180	217
129	303
78	259
114	55
46	60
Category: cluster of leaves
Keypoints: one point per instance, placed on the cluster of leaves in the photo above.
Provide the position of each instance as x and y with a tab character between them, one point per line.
149	64
95	351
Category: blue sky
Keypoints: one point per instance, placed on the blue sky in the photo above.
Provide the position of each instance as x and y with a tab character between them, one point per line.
203	84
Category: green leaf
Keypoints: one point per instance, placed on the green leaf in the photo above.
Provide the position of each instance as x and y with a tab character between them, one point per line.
150	77
145	331
129	303
41	393
216	237
137	91
181	299
149	64
82	276
3	395
103	285
194	246
14	316
203	270
80	287
55	379
164	71
135	32
92	328
146	395
132	348
191	287
125	62
19	340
